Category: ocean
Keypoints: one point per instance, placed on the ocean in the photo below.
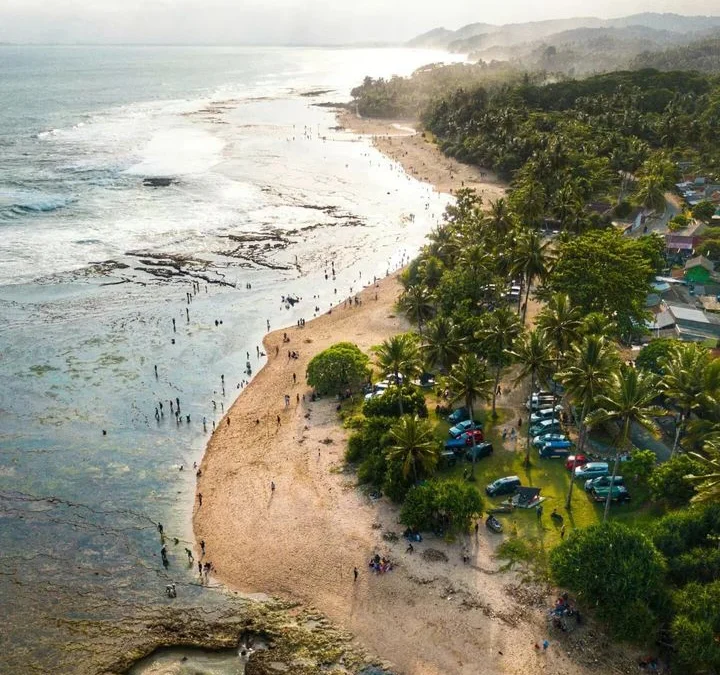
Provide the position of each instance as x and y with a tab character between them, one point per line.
158	207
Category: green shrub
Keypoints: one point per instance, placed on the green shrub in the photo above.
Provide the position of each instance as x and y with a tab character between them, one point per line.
337	368
616	570
695	628
668	482
441	505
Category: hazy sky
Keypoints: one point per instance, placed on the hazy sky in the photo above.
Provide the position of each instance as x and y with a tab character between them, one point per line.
283	21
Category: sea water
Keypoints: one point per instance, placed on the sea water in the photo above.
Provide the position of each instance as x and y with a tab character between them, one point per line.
260	196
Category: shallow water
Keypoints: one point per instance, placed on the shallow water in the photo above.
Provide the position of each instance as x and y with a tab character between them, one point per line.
86	316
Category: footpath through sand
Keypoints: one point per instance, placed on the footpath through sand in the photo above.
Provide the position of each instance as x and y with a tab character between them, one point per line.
302	540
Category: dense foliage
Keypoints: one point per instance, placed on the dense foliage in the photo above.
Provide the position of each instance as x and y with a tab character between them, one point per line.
573	142
621	267
338	368
616	570
409	96
441	506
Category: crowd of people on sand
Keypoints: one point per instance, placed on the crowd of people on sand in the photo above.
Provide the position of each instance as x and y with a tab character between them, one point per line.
380	564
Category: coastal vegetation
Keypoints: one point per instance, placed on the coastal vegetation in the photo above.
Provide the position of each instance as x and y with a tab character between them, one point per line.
498	313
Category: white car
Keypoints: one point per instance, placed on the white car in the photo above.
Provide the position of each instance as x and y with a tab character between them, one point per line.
379	389
545	414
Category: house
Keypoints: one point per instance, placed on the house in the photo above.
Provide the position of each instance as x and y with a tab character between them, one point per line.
686	322
681	242
698	270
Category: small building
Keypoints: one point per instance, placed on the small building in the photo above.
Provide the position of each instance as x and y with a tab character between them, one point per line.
698	270
686	322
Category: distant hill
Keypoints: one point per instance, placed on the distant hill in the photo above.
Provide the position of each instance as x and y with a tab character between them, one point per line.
477	36
701	55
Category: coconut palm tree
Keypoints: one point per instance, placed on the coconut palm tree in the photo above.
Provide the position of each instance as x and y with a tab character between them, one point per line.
399	357
589	369
708	489
468	381
561	323
690	381
596	323
498	332
414	445
442	343
500	218
651	192
627	401
531	260
533	352
416	302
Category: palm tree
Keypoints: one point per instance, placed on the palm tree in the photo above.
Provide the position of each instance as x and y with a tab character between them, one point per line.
590	366
690	381
399	356
414	445
628	401
596	323
443	343
416	302
709	482
500	218
499	331
651	192
468	381
561	322
534	353
531	260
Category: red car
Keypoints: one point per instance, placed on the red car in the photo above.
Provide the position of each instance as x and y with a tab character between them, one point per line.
467	436
575	460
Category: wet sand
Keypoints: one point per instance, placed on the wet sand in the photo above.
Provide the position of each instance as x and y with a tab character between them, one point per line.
421	158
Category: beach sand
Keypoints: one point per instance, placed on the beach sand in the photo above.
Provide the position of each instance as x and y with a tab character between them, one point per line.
302	540
399	140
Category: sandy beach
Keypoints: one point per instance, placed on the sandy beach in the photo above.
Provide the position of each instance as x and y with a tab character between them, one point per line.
400	140
303	539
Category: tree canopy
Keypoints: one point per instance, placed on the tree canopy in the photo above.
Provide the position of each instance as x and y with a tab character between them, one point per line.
340	367
602	271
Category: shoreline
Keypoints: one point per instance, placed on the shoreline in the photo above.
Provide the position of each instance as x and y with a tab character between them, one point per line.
301	540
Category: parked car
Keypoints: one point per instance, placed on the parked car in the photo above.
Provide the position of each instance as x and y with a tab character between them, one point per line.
619	493
592	470
503	486
545	414
539	441
546	427
458	415
480	451
556	449
378	389
574	461
448	458
603	482
465	439
464	426
536	402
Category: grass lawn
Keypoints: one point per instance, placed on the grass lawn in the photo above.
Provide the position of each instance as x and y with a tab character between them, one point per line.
540	535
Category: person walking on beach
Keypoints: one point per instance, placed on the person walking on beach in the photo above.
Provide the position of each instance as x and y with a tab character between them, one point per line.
189	555
355	574
287	400
200	498
272	486
202	546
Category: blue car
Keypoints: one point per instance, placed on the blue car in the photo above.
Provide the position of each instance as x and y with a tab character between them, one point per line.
462	427
458	415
